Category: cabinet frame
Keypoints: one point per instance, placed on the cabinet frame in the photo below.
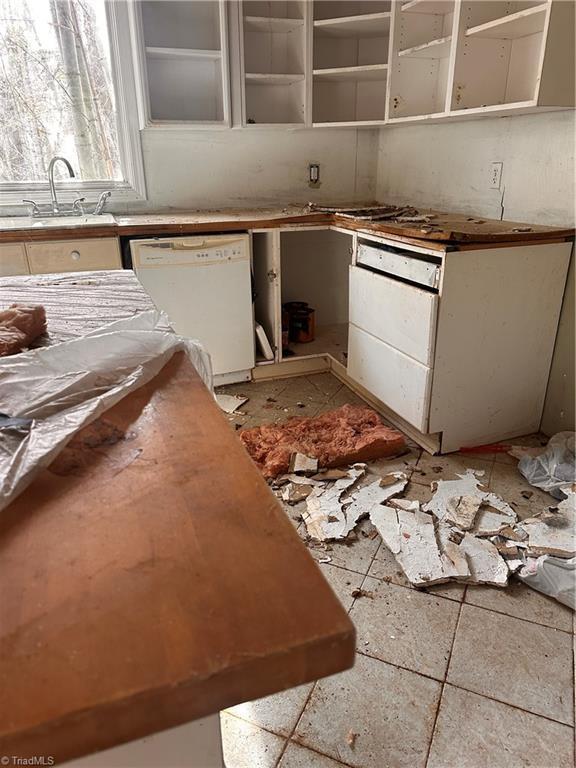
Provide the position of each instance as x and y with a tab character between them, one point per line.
142	79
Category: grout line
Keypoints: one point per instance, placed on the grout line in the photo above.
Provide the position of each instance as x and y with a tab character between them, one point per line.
293	731
445	678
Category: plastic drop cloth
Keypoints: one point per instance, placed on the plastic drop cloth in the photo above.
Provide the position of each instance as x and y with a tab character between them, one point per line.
552	576
553	470
50	393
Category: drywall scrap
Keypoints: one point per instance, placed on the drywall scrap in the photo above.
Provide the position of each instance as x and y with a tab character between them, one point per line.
344	436
553	532
230	403
449	496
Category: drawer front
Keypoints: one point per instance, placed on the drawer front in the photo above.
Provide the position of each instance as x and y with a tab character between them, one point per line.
13	260
74	255
399	314
397	380
404	264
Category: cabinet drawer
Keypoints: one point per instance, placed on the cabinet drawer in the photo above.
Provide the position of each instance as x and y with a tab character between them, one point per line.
399	314
74	255
397	380
13	260
407	265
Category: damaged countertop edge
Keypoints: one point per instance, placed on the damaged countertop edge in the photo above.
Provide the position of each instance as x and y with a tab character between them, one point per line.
145	697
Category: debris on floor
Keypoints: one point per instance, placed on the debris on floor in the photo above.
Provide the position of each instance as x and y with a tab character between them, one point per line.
302	465
552	576
230	403
346	435
553	468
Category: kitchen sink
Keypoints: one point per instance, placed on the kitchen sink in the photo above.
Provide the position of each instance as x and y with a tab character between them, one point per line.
51	222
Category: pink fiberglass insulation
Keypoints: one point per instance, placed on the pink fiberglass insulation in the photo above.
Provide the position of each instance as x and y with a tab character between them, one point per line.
19	326
346	435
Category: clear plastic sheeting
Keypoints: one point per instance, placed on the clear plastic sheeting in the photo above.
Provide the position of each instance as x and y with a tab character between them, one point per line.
553	470
67	386
553	576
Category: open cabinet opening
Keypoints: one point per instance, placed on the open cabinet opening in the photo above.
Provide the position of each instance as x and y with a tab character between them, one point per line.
315	272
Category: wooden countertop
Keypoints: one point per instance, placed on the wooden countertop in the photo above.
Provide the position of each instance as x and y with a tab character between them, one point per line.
444	228
149	577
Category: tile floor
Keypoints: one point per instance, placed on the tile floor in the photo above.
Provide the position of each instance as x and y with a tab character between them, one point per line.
449	677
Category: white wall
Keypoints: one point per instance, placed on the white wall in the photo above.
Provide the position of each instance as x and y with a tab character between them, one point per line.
240	167
446	166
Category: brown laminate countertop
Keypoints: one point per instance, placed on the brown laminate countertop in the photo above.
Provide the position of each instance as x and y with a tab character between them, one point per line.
444	228
149	577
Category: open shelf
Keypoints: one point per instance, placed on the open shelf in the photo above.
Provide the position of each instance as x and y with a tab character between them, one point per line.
367	72
272	24
367	25
435	49
181	53
521	24
184	62
257	78
439	7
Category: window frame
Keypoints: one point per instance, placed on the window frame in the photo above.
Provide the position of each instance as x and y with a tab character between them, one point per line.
133	187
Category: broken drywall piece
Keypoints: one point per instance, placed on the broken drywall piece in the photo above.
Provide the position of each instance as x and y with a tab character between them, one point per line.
294	493
489	522
462	510
300	464
411	537
325	517
456	499
485	563
230	403
330	474
553	532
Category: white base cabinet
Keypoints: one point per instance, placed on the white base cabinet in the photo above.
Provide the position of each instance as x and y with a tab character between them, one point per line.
454	345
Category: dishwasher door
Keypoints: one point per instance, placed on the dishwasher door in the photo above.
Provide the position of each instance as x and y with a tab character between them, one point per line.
204	286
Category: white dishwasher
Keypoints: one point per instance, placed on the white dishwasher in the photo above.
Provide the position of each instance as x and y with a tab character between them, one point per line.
204	286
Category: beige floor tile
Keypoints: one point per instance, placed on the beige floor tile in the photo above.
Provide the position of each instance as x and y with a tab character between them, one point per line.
390	709
247	746
404	463
327	384
405	627
278	713
344	396
519	600
514	661
431	468
297	756
343	582
474	732
538	440
510	484
356	556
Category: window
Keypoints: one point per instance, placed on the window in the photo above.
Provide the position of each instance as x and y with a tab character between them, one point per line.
67	88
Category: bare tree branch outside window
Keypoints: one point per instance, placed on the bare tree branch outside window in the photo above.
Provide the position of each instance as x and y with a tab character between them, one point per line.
56	94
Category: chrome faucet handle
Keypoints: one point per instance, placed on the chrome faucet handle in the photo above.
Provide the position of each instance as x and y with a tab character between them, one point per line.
77	206
35	208
101	202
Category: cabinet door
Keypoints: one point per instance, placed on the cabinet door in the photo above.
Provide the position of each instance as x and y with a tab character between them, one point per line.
74	255
397	380
13	260
399	314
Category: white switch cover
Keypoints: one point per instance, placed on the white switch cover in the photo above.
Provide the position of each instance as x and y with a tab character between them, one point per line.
496	175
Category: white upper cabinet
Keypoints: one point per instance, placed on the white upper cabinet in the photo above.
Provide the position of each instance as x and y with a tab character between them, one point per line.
304	63
350	59
454	59
274	62
182	58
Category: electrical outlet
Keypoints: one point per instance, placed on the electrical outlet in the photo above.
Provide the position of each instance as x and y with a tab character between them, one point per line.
496	175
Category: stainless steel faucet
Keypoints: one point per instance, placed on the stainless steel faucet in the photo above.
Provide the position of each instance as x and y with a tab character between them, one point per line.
55	208
101	203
